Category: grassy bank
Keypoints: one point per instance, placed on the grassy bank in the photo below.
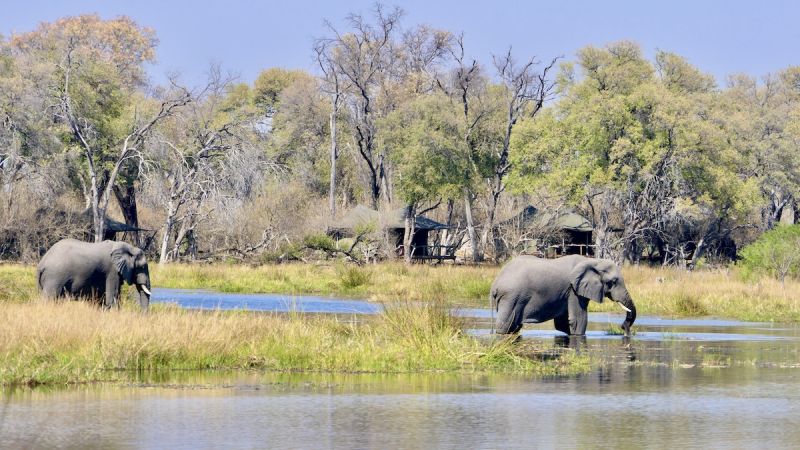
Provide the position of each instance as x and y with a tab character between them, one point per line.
657	291
48	342
388	281
716	293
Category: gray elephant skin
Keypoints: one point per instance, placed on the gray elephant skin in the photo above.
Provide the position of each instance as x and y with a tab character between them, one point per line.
94	270
534	290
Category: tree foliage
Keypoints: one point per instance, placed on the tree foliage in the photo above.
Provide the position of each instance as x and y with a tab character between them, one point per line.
775	253
666	164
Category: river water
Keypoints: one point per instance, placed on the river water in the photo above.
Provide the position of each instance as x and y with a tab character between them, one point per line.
675	384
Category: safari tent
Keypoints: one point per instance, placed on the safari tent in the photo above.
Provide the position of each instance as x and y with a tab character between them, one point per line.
392	223
546	232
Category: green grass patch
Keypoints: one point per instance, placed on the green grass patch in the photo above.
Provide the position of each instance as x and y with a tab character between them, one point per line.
616	330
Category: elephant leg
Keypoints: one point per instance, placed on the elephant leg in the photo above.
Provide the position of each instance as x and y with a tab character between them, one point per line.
562	323
578	315
112	291
509	317
50	290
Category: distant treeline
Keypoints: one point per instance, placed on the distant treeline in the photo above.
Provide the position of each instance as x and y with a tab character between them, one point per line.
665	164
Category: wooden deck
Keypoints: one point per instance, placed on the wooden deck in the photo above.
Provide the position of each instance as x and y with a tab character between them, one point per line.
434	252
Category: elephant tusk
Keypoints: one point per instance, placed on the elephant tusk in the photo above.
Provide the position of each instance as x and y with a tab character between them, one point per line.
146	291
624	307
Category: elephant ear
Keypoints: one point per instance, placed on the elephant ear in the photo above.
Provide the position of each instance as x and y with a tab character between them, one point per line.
588	283
123	261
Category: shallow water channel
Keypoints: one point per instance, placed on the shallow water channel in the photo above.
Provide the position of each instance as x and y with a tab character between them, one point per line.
675	384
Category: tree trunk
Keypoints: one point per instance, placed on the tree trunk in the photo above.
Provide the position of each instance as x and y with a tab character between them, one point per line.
601	241
127	204
384	179
477	255
334	155
408	233
168	224
698	253
182	232
487	238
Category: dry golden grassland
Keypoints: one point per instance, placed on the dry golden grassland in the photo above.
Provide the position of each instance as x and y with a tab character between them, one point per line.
717	293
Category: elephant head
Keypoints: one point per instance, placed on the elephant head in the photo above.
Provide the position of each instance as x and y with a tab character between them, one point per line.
131	264
597	279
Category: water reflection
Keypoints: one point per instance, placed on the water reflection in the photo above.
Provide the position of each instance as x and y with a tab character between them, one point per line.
625	405
199	299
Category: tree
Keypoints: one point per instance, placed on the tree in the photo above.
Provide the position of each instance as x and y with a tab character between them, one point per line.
523	91
335	87
364	57
466	85
194	154
758	117
270	84
428	154
776	253
97	71
27	134
300	130
642	151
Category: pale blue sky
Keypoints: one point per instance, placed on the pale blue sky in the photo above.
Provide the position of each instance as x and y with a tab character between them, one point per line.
721	37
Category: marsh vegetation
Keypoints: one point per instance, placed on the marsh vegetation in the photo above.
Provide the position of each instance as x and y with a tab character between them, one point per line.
57	342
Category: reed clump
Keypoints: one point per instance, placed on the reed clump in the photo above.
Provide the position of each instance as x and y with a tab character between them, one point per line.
46	342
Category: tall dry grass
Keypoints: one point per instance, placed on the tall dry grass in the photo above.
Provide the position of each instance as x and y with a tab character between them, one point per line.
68	341
713	292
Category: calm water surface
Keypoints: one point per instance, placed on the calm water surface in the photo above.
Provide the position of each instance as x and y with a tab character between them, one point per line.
676	384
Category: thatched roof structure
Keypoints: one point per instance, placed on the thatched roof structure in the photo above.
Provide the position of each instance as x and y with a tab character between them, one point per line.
111	224
566	219
362	215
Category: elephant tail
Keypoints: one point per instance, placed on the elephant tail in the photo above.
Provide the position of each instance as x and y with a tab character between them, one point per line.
493	304
39	275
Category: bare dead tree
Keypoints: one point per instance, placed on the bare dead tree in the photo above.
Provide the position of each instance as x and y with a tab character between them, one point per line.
363	56
335	86
525	92
189	159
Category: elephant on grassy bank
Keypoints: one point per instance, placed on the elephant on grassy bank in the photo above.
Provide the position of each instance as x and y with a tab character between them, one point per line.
93	270
534	290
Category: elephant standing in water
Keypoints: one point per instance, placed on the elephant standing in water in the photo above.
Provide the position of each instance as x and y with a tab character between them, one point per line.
94	270
534	290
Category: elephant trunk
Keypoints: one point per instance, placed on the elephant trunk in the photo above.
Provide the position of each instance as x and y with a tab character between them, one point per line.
627	303
144	296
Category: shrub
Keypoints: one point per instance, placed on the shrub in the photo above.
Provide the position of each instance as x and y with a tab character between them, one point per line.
319	242
776	253
286	252
352	277
688	305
